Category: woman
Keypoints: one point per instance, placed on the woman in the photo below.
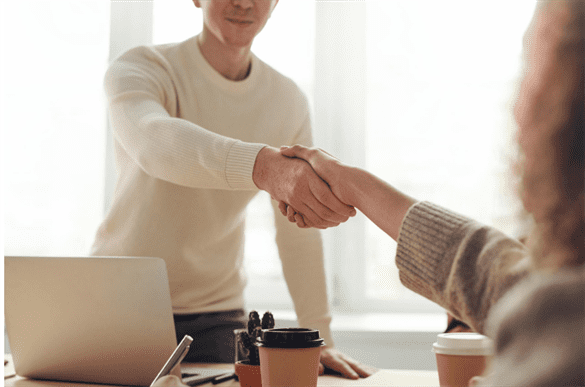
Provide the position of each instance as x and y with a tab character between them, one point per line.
528	298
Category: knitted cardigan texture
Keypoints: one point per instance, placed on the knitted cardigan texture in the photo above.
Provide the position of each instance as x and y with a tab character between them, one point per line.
483	277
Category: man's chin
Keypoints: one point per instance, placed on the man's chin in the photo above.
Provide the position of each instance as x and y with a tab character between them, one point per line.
240	42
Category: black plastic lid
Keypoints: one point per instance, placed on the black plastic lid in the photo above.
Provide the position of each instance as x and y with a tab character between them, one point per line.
289	338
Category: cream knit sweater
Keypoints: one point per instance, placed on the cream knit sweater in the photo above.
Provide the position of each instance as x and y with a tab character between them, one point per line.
186	140
482	277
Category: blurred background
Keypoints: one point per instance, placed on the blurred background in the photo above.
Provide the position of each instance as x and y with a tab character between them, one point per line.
419	92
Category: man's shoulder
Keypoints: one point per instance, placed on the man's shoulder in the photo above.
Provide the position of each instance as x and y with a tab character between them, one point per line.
153	61
159	52
283	81
281	85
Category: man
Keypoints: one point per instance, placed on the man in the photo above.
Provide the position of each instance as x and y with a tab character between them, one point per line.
197	126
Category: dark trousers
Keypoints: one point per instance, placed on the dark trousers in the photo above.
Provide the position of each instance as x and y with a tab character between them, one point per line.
212	333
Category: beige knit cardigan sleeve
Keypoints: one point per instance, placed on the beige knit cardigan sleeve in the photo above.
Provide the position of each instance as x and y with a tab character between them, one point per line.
456	262
474	271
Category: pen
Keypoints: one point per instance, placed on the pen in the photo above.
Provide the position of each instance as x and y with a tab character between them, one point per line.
176	357
223	378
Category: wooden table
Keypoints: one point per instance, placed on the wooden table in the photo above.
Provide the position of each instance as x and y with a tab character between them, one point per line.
383	378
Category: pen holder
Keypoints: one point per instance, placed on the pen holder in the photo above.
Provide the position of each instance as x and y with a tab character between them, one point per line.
239	350
248	375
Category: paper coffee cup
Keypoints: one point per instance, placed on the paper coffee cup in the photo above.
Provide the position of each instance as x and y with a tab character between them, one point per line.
461	356
289	357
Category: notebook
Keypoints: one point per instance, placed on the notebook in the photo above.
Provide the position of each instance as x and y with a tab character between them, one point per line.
105	320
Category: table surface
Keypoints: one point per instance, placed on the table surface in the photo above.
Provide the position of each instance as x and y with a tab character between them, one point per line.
385	378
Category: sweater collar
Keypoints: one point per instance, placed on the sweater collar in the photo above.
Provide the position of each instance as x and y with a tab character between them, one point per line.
227	85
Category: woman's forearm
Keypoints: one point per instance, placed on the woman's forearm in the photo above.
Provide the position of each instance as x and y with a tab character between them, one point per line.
379	201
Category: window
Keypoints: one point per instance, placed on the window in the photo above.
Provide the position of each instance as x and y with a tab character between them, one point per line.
416	91
441	77
419	93
54	55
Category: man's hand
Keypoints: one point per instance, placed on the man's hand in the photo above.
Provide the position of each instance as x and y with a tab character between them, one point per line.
349	368
294	182
328	168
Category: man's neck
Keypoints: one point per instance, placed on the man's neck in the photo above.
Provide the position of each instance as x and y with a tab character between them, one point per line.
231	62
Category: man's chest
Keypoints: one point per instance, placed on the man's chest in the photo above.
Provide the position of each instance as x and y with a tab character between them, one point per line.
243	119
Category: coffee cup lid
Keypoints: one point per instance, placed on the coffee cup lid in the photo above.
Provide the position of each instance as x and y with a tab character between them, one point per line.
289	338
464	344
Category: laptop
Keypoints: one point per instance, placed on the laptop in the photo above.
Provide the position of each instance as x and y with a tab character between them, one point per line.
105	320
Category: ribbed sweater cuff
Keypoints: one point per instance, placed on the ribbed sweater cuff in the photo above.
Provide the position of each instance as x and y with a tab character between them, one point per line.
240	165
425	236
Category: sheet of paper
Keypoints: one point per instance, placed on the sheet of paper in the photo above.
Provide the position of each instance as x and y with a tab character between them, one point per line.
387	378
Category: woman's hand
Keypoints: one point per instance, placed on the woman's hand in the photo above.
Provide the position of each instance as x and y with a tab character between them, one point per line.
293	181
379	201
330	169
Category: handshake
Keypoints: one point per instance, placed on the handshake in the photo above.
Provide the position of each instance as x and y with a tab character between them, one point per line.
314	189
308	184
333	207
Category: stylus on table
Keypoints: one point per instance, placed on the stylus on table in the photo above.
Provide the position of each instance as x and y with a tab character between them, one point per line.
178	354
223	378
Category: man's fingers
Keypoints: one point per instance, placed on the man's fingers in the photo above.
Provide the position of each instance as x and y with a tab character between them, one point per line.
332	359
311	217
300	221
283	207
343	368
361	369
290	214
295	217
345	365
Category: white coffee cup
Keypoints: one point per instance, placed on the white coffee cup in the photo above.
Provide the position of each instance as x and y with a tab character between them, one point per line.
461	356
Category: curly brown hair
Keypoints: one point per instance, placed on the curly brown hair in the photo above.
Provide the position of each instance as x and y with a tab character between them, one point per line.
550	113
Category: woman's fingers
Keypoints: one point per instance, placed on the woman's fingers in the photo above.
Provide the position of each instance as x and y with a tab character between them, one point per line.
297	151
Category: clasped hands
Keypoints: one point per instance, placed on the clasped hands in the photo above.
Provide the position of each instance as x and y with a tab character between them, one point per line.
307	183
299	179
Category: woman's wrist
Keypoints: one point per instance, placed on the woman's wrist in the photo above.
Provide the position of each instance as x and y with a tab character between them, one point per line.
379	201
349	180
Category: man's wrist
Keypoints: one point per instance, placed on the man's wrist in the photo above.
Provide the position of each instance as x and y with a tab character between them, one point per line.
260	174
